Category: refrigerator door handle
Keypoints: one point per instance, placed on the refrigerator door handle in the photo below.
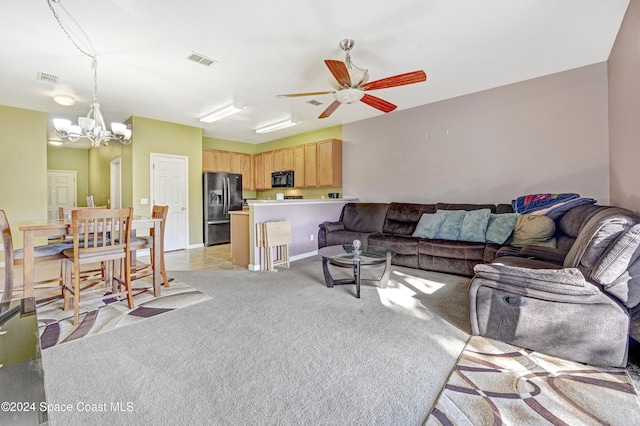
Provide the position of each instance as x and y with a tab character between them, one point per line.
228	195
224	196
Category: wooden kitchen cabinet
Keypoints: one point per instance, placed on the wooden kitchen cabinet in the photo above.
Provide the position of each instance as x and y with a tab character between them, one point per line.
267	163
330	163
221	161
258	171
245	169
310	165
207	160
287	158
278	160
298	166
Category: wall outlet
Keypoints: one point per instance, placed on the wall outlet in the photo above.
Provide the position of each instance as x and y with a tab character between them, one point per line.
144	201
311	237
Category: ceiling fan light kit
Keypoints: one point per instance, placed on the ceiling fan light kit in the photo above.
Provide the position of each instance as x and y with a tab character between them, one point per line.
221	113
276	126
351	83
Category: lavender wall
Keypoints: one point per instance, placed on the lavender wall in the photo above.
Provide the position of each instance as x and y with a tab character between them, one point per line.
548	134
624	112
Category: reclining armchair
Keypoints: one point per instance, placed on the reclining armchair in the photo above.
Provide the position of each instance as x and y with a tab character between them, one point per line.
582	309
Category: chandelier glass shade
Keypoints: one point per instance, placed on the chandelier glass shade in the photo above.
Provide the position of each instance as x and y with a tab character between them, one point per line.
92	127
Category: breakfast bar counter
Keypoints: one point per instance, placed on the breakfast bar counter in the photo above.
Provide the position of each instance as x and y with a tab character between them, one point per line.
304	215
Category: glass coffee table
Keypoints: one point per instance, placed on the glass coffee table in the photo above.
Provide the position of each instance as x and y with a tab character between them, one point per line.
356	257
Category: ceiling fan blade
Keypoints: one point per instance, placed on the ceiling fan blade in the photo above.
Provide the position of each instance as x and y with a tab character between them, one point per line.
339	71
294	95
396	80
378	103
327	112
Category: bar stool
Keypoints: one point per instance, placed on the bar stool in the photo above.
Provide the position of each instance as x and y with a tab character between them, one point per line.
274	236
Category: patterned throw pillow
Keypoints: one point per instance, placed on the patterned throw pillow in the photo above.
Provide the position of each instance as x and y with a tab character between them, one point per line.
450	227
428	225
500	227
474	225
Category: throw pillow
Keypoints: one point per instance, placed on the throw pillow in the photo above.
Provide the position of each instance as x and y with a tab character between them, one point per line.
428	225
474	225
533	230
450	227
500	227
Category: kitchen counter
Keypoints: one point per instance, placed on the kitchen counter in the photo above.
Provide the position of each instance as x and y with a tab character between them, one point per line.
301	201
239	212
304	215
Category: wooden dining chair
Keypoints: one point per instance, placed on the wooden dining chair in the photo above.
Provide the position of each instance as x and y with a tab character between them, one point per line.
14	257
91	244
146	242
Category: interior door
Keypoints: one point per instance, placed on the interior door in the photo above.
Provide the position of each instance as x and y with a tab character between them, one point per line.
61	191
170	186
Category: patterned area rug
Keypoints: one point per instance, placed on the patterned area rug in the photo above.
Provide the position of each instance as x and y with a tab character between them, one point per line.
497	383
55	324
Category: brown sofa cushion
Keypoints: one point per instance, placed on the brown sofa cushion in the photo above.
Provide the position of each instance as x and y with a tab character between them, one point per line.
364	217
452	249
450	206
401	244
402	218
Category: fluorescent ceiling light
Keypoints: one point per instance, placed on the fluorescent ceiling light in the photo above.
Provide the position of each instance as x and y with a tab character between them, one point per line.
221	113
276	126
55	143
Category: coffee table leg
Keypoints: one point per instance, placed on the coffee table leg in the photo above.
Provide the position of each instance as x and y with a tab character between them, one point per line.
356	275
387	271
328	279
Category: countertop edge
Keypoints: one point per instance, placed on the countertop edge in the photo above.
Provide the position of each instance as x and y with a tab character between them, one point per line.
301	201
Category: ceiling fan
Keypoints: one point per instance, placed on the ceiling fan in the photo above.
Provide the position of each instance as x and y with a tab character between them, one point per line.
352	82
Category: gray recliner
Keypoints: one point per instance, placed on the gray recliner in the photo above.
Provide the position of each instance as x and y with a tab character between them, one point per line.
583	310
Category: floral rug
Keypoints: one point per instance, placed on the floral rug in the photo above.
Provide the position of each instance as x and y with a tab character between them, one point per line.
55	324
497	383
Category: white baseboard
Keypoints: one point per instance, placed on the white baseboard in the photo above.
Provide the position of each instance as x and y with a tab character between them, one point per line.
292	259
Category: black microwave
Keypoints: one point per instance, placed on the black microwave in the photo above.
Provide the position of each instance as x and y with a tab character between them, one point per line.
283	179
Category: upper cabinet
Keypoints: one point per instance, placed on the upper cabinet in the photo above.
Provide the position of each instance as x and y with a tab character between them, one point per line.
214	160
330	163
316	164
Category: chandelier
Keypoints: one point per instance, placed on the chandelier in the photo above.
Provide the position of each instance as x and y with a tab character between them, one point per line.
92	126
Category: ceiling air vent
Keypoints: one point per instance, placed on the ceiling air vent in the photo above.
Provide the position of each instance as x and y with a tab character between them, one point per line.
314	102
200	59
49	78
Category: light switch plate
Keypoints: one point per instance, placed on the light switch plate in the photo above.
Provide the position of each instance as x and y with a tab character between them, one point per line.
144	201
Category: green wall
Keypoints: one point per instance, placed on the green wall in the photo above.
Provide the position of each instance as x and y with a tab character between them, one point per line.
59	158
227	145
23	167
160	137
334	132
100	170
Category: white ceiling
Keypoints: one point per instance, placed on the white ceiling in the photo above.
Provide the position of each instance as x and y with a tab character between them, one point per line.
269	48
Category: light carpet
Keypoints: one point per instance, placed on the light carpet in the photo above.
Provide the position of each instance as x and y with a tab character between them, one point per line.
56	325
271	348
497	383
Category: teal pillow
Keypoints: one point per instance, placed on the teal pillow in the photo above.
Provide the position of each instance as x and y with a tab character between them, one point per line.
474	225
428	225
500	227
450	227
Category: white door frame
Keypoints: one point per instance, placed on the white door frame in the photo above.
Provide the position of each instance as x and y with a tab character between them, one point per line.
152	158
115	171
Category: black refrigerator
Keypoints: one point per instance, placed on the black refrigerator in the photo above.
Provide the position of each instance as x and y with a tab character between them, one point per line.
222	194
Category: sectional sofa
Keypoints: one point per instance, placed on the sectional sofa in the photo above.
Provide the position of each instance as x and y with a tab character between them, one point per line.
392	225
578	300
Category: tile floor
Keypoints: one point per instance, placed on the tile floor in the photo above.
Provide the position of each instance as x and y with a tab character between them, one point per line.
213	257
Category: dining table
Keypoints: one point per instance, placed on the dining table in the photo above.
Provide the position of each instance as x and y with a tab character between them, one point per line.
33	229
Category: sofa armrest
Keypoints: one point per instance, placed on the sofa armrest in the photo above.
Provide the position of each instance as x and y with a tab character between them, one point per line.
332	226
547	254
567	281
